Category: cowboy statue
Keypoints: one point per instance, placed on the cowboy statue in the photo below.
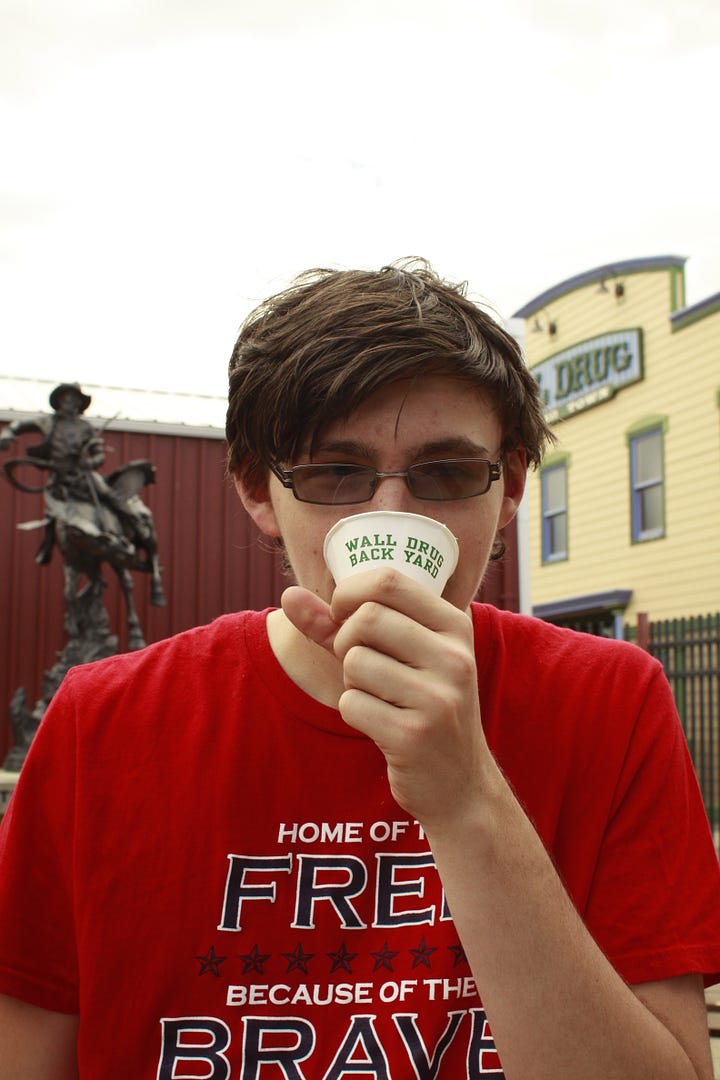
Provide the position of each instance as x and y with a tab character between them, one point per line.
91	519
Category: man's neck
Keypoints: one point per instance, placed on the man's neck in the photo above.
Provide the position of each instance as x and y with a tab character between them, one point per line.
315	670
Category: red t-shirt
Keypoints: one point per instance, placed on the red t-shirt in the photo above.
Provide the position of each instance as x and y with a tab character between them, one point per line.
209	865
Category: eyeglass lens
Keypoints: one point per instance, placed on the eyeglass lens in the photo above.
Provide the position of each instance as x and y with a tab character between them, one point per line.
339	484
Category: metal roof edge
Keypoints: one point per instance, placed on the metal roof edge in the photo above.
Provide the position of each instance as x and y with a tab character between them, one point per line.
577	605
599	273
122	408
150	427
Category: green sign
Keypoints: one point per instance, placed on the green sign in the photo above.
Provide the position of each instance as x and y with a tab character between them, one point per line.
589	373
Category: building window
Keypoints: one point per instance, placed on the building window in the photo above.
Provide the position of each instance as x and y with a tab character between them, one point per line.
648	485
554	512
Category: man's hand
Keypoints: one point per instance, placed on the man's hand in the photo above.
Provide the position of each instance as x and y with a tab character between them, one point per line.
410	685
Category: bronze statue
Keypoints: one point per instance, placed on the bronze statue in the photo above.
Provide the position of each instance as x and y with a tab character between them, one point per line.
92	519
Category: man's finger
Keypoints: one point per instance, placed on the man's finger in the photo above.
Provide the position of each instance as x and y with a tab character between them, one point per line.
310	615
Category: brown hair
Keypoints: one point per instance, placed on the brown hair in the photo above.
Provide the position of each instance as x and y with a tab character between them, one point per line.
313	353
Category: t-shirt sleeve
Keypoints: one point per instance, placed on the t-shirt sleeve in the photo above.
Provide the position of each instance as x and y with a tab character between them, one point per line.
654	904
37	934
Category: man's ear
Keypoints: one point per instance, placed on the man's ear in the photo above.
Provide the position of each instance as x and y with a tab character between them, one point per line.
514	476
256	500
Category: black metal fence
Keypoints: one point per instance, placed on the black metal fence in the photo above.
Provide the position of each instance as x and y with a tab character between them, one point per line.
689	650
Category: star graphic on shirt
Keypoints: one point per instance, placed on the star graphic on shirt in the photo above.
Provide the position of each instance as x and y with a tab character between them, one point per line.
298	959
210	963
254	960
422	954
342	959
459	954
384	957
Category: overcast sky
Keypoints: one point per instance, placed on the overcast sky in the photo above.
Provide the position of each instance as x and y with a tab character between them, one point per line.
168	163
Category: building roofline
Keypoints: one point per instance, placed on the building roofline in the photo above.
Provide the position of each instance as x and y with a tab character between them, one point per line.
600	273
122	408
121	423
708	306
589	604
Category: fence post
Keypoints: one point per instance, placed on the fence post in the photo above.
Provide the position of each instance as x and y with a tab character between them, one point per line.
643	631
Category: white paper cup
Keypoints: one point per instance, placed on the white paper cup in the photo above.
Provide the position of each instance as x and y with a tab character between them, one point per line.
419	547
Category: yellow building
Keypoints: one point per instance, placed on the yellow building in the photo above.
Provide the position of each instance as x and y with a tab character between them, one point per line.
624	517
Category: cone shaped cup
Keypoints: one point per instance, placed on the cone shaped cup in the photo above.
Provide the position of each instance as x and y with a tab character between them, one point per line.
419	547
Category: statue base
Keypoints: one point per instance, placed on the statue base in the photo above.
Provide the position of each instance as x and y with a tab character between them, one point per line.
8	780
25	722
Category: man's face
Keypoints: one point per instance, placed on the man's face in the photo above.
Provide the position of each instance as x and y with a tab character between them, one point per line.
69	403
401	425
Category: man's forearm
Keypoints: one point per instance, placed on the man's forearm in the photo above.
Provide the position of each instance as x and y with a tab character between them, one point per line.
36	1044
556	1006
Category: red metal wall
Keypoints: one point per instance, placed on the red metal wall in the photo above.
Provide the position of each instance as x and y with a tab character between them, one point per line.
214	560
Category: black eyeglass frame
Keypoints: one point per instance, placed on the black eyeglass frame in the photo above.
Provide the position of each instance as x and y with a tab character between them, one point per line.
286	478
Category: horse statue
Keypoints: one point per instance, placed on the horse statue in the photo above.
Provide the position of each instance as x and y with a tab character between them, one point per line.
88	533
92	520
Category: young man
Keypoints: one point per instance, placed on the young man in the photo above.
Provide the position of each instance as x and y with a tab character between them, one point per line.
375	832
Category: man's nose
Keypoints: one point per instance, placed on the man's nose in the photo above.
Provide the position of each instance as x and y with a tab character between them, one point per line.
392	493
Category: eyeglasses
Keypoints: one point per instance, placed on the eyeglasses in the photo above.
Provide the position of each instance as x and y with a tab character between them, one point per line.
340	484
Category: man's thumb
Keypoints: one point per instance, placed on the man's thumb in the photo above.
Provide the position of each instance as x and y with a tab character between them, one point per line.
310	615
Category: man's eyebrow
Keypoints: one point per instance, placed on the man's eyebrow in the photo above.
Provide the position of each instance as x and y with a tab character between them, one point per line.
449	446
452	446
350	447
